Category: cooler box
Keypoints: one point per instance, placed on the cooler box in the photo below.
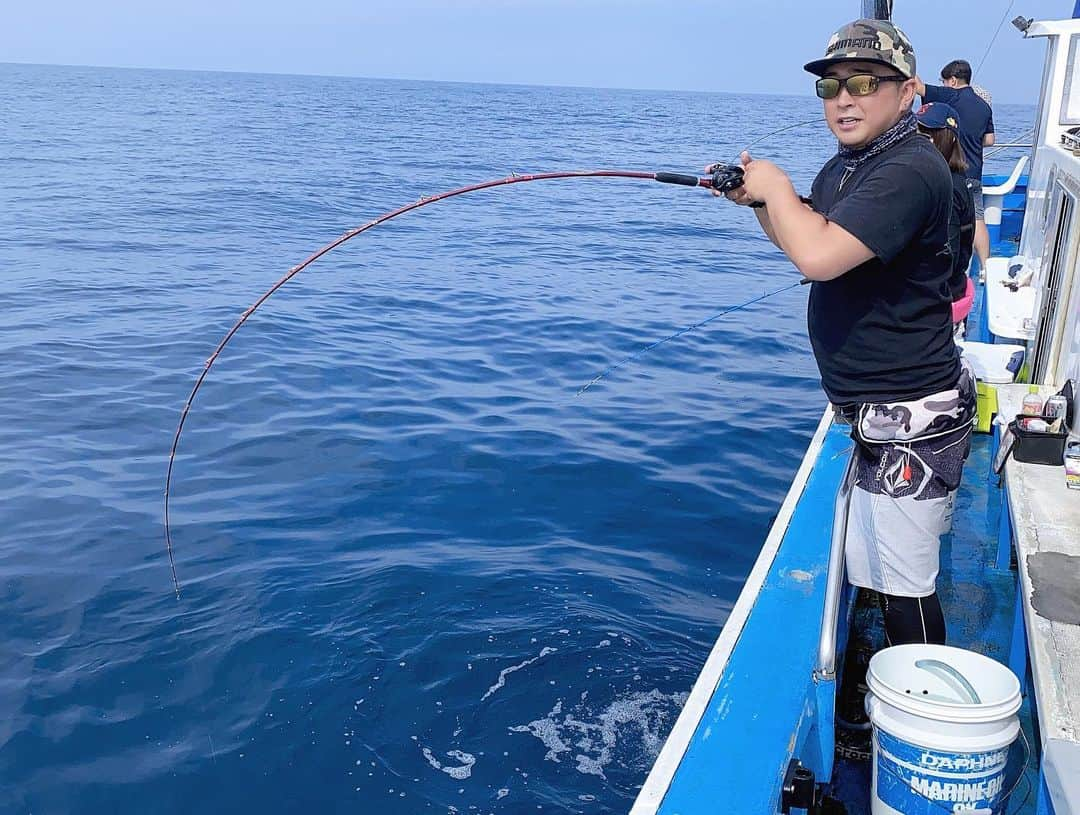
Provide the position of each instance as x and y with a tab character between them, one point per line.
993	365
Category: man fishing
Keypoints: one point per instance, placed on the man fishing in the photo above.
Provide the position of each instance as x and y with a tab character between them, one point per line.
873	241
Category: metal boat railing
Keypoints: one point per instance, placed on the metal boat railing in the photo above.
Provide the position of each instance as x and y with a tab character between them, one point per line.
877	9
999	147
834	581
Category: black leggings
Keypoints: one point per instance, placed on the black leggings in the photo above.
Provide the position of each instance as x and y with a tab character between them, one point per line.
913	619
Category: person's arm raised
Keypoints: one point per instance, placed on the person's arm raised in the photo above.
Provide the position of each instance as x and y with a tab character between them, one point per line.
820	249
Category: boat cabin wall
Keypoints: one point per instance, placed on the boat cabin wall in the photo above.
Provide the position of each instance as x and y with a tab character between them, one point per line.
1050	239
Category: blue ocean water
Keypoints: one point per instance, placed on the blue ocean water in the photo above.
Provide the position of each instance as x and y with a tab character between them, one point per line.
420	572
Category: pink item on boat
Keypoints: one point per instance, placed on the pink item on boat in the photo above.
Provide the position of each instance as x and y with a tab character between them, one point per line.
962	307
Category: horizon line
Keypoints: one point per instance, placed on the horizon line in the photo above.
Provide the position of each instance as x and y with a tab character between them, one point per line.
430	81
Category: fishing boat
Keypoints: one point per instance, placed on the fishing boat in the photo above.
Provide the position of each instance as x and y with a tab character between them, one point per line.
775	721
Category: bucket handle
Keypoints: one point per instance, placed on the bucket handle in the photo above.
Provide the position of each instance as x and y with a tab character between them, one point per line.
951	676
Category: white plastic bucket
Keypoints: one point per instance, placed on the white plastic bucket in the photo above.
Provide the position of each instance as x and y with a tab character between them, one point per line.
944	719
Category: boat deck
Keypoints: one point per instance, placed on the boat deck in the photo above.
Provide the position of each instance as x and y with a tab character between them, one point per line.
1041	529
979	597
978	590
979	601
761	704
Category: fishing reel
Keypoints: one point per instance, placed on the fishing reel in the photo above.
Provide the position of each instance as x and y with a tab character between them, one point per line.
727	177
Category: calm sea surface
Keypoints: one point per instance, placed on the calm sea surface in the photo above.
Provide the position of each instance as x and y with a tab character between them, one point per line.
420	573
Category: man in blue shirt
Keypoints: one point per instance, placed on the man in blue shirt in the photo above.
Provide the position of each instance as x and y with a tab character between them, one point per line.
976	132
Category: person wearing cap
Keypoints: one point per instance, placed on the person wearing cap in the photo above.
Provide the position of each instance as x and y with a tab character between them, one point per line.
976	132
874	242
939	122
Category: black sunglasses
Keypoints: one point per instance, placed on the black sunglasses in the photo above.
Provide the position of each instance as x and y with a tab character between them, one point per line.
828	87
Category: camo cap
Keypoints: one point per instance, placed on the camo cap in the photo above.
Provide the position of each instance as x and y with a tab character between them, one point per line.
868	41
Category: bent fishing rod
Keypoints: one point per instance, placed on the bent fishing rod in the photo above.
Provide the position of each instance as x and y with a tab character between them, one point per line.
723	178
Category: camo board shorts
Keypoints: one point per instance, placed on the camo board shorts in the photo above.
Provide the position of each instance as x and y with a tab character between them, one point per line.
909	457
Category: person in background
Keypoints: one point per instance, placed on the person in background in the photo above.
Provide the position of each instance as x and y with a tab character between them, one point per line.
976	132
873	241
938	122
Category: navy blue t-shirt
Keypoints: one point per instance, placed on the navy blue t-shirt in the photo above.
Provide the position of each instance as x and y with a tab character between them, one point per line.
976	120
883	331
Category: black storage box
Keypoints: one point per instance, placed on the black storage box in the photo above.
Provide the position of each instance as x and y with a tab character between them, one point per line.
1037	448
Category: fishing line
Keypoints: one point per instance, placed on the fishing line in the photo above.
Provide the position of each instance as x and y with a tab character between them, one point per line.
690	328
994	38
815	120
724	178
682	331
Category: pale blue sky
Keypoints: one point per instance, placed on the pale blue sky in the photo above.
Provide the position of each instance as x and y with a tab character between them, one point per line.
718	45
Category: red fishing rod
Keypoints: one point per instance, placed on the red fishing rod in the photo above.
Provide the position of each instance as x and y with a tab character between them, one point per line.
724	178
